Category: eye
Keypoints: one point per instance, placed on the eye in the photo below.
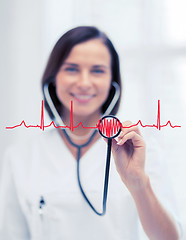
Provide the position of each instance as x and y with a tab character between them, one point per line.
98	71
71	69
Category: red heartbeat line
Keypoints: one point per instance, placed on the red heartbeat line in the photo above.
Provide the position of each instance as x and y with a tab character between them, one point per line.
71	127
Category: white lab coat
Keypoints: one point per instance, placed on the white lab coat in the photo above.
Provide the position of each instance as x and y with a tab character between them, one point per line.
44	167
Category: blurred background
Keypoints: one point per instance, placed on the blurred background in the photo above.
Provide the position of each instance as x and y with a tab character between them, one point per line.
150	37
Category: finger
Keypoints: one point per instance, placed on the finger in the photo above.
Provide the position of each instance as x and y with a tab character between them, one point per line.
128	127
105	139
137	140
119	137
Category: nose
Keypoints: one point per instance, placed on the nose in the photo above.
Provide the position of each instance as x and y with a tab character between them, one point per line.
84	81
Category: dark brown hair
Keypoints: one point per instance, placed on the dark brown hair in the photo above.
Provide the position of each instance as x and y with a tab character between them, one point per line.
61	51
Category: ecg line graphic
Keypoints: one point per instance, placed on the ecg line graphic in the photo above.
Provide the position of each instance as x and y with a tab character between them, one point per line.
110	125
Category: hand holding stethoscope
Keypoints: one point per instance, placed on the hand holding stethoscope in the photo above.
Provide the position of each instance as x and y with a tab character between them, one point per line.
129	156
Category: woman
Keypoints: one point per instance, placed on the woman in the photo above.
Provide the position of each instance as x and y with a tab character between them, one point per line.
41	198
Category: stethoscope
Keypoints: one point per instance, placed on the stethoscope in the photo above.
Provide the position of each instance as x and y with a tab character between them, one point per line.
109	127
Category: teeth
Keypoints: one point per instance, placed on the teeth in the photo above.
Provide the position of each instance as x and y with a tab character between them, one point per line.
83	96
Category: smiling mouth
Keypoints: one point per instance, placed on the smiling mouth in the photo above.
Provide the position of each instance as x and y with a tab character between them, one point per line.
82	97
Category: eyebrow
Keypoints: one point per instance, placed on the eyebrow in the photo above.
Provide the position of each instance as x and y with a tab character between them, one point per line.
76	65
98	66
71	64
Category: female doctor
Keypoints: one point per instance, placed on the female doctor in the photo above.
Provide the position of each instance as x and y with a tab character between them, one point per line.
40	196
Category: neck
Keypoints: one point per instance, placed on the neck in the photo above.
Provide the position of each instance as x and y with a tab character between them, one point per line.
81	125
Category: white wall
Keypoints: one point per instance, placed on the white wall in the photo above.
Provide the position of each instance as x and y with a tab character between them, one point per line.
150	37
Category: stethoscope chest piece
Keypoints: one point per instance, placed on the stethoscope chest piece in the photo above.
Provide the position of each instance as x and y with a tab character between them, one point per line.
109	127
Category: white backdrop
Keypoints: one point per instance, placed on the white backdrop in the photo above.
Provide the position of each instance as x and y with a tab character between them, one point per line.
150	37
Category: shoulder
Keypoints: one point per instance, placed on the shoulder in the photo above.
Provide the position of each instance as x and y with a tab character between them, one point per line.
25	146
23	160
21	154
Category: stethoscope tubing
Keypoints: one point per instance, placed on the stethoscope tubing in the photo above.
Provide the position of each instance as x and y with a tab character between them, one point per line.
107	169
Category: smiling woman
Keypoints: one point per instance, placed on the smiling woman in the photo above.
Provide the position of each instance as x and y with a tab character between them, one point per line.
42	199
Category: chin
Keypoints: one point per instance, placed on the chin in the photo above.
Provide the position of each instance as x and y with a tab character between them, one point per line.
85	113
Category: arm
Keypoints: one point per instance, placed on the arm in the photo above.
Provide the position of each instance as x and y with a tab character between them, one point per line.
154	218
129	156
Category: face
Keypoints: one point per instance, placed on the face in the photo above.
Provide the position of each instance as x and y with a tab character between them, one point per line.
85	79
